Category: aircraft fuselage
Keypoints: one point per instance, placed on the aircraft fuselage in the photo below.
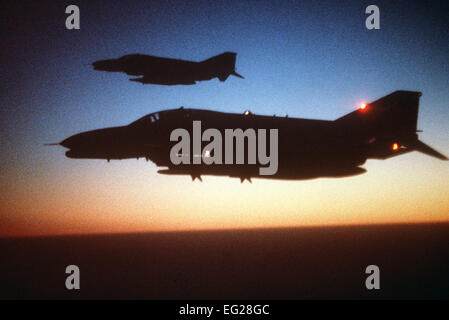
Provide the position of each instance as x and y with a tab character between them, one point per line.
306	148
298	148
167	71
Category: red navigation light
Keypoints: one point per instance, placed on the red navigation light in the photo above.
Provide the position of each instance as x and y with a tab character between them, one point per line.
363	107
395	146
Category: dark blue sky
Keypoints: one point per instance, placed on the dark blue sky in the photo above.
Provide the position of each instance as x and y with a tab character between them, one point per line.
311	59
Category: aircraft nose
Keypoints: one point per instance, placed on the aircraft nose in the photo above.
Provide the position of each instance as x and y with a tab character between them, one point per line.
106	65
73	141
100	64
95	139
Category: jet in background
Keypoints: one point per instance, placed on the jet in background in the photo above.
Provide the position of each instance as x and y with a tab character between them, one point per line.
166	71
307	148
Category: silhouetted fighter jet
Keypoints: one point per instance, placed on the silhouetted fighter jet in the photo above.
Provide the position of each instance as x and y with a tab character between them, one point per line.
165	71
307	148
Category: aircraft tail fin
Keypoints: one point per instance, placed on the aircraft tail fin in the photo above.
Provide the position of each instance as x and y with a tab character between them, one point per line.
223	65
227	58
389	120
395	112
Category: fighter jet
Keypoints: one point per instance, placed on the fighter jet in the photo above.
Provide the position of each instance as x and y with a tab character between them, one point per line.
166	71
307	148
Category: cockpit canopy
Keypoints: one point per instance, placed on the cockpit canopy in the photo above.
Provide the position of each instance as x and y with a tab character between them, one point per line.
160	116
148	119
129	57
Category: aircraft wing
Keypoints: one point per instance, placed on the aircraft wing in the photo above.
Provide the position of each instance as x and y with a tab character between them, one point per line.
152	80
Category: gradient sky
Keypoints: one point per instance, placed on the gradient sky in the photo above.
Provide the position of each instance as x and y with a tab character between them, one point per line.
310	59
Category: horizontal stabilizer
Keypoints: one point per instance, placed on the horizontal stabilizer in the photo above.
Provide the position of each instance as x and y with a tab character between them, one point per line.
424	148
237	75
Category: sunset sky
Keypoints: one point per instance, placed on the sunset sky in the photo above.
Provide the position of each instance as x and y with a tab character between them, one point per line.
310	59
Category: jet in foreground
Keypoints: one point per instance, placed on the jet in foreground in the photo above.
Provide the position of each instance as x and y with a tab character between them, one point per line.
306	148
166	71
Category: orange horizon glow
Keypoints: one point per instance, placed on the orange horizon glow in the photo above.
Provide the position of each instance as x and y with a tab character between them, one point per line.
24	234
96	197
